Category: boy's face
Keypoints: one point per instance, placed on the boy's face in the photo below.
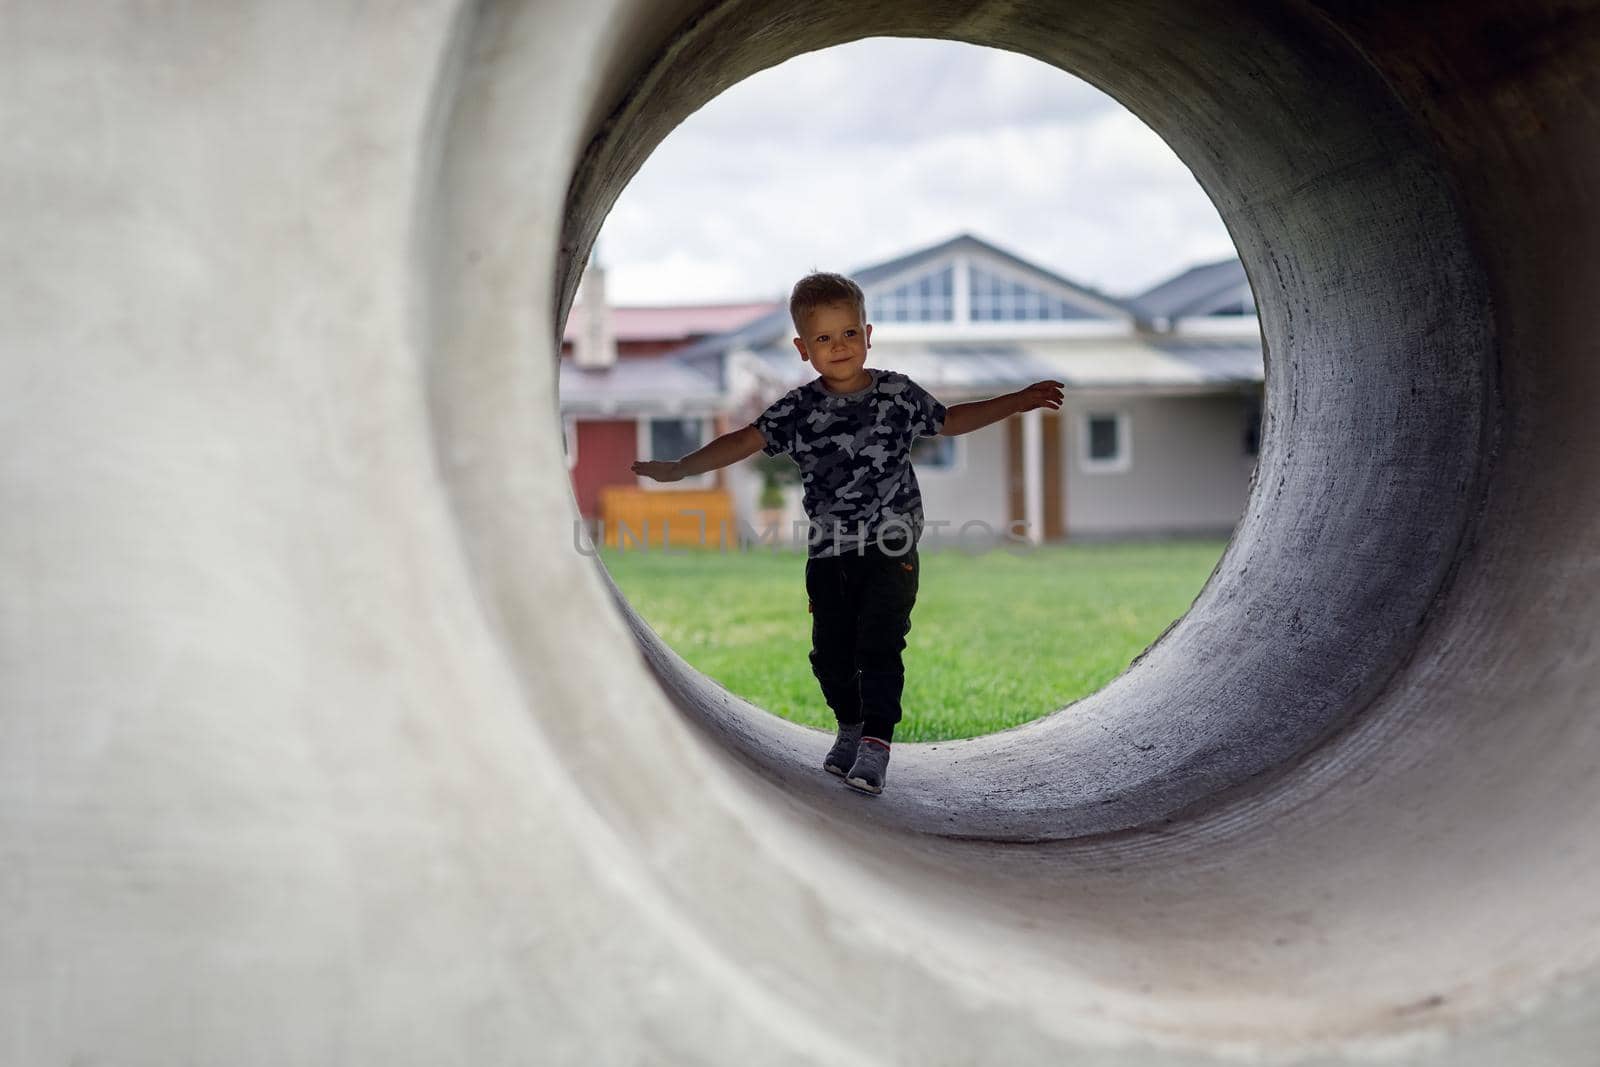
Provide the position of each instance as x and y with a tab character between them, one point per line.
834	339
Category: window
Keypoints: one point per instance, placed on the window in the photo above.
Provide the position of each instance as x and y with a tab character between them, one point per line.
934	453
930	298
673	438
998	299
1104	443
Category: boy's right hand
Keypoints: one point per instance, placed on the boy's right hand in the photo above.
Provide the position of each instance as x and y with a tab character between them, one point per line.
659	469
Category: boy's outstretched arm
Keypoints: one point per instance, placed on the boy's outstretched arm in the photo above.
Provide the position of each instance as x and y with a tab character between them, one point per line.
964	418
731	447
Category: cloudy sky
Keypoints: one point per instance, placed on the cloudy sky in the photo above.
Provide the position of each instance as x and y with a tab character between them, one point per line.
843	158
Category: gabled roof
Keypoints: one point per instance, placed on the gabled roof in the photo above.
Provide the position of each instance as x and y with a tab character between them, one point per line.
1191	290
774	328
967	243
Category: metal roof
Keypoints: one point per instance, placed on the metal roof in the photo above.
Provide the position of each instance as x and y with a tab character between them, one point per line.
655	384
1178	296
1112	363
1220	360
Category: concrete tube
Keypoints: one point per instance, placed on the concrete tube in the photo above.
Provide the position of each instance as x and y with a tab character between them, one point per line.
321	742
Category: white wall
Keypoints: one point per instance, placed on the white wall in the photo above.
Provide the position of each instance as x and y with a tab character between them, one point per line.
974	489
1188	472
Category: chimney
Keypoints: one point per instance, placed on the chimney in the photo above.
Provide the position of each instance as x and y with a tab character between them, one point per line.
595	346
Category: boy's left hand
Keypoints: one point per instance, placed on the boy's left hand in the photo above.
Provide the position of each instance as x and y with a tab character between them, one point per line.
1046	394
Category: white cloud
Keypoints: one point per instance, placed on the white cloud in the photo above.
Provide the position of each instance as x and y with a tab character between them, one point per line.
842	158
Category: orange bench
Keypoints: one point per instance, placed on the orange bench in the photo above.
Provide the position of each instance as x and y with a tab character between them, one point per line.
676	518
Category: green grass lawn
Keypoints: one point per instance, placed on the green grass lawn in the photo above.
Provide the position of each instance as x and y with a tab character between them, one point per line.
996	638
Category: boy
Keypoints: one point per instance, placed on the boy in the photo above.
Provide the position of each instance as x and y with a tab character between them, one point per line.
850	431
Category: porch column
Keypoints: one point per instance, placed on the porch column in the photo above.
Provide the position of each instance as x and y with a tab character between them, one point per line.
1033	475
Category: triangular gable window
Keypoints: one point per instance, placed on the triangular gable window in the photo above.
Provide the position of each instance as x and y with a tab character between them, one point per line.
930	298
999	299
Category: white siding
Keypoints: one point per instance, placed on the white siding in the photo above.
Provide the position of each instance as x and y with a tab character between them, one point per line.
1189	472
974	489
1188	475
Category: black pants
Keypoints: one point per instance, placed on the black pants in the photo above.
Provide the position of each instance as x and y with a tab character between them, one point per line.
860	615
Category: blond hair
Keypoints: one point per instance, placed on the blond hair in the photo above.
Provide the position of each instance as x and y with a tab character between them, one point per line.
821	289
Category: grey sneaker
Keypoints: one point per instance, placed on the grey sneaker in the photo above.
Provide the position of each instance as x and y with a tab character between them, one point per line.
870	768
843	752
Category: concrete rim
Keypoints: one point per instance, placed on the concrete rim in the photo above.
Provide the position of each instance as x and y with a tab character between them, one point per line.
1230	778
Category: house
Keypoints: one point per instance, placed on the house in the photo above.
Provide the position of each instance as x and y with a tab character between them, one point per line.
621	399
1158	432
1157	435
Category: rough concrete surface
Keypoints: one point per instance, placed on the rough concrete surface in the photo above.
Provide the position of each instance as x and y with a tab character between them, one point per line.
320	743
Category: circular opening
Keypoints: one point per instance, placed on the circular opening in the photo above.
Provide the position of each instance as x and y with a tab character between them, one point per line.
1308	612
885	147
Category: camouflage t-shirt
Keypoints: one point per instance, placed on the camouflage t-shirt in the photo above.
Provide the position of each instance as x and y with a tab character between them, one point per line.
854	454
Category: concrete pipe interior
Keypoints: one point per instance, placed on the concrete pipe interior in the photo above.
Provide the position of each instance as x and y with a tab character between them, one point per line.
1345	806
1378	331
320	743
